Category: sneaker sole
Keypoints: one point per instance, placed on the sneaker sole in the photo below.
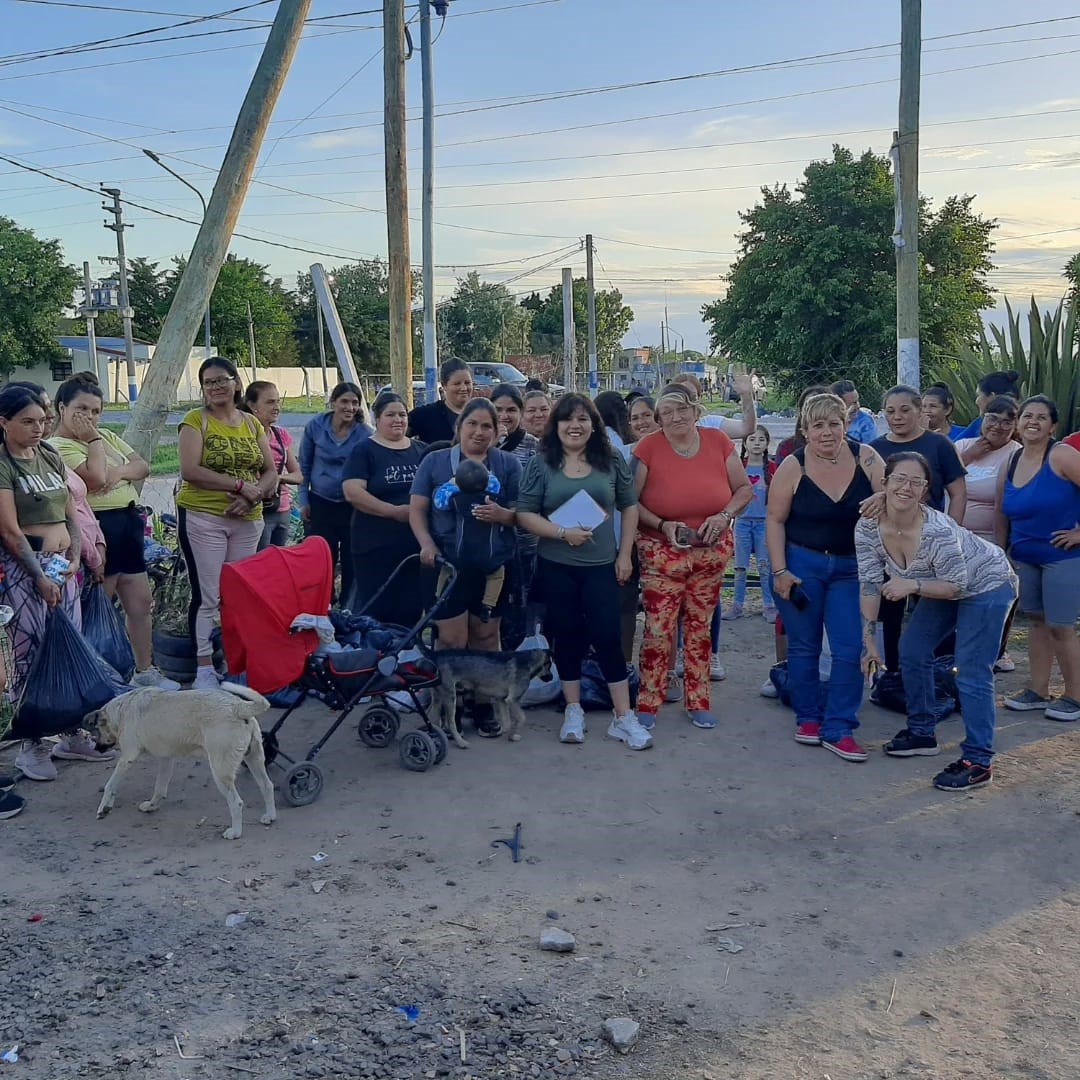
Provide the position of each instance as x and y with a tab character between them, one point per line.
966	787
834	749
1000	669
808	740
922	751
490	734
619	738
1063	718
1021	706
36	779
717	678
67	755
6	814
572	740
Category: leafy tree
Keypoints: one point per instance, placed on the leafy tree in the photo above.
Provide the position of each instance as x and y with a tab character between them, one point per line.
147	294
363	302
613	321
35	287
1071	274
242	282
481	321
812	294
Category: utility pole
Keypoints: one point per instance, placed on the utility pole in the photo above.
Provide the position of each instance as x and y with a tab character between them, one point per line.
663	344
397	199
322	352
568	329
117	210
89	313
594	383
431	341
906	164
251	344
204	263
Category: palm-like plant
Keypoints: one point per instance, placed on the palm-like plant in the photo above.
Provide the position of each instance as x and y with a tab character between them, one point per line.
1049	363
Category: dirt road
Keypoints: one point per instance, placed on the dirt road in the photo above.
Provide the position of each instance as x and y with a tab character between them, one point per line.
763	909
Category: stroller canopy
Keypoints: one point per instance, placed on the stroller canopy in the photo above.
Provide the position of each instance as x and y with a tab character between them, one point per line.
260	598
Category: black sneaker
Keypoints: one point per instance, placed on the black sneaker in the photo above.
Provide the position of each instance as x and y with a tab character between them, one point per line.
907	744
10	805
7	782
961	775
487	727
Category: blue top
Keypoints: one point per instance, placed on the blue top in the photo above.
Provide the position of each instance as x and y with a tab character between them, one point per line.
759	490
972	431
324	457
863	428
1046	504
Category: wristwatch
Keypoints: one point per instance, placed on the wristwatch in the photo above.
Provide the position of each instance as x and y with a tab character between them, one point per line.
561	534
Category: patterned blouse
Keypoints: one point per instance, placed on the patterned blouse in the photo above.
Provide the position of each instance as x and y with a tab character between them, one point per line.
946	552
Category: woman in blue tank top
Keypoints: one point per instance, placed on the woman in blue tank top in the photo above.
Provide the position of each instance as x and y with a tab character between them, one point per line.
1039	525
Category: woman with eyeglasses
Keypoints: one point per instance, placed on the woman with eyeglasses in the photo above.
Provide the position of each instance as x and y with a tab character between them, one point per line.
227	471
966	589
1038	524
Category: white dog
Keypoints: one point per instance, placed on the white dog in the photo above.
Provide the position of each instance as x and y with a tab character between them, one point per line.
220	723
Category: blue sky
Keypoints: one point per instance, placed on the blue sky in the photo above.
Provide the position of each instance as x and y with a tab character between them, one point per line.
660	192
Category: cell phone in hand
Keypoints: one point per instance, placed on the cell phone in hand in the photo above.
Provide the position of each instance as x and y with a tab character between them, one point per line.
799	598
684	536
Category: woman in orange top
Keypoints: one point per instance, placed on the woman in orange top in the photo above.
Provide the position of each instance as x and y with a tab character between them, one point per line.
691	485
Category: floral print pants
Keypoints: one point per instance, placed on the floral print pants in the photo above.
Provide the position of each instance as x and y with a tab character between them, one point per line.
673	581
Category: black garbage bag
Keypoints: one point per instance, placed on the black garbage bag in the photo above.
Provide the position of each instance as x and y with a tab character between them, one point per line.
888	692
104	631
594	689
67	680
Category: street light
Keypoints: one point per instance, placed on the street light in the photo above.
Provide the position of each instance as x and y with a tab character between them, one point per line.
172	172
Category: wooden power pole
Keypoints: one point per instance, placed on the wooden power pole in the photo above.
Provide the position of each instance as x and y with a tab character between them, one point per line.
569	334
906	164
397	199
212	243
594	383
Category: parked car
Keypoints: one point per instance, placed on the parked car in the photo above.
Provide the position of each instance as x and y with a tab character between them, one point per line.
487	376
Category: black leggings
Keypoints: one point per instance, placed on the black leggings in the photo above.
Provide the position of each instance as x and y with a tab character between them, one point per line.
403	603
333	522
582	610
891	614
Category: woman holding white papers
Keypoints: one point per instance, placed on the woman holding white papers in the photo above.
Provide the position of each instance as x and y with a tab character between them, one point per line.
569	495
692	485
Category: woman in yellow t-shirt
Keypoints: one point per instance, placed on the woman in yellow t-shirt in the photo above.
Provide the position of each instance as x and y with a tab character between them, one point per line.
227	471
110	468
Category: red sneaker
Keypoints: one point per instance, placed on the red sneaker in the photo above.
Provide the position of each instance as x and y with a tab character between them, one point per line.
847	748
809	734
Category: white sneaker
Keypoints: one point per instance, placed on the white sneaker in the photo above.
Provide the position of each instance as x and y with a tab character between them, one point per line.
627	729
680	667
716	669
79	746
573	725
152	677
35	762
768	690
206	678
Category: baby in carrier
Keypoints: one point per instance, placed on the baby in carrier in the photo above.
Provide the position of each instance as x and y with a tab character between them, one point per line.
470	488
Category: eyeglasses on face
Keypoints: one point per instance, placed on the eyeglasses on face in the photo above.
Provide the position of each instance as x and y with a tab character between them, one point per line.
913	482
990	420
216	384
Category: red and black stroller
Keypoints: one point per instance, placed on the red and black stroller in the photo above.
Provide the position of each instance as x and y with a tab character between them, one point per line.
262	596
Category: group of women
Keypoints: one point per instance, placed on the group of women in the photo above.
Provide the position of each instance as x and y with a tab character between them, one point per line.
942	535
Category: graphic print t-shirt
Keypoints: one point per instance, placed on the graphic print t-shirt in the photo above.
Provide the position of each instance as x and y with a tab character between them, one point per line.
232	451
756	475
389	475
38	484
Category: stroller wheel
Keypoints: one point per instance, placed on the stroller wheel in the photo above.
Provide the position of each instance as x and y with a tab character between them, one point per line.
417	750
378	727
303	784
442	743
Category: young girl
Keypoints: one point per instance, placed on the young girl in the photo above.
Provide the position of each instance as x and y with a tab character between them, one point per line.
750	525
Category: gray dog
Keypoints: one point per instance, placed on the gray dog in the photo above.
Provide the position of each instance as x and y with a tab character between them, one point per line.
498	677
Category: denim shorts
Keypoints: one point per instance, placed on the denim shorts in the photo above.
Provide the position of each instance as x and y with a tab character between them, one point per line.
1051	590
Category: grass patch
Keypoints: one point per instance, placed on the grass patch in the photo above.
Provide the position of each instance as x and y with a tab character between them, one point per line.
166	460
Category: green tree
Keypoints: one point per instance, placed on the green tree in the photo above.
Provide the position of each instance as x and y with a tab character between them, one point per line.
811	296
36	285
613	322
1071	274
481	321
240	283
147	294
363	302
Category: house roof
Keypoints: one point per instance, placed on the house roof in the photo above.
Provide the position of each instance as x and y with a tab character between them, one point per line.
105	344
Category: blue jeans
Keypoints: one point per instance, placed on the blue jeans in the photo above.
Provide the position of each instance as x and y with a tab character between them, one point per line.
750	540
978	622
831	585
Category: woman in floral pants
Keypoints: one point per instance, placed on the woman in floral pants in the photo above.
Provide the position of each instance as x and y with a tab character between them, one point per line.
691	485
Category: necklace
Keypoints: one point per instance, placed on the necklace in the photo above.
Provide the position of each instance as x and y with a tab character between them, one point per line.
691	450
830	460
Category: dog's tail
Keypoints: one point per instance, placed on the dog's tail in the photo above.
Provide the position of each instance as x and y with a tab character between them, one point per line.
245	692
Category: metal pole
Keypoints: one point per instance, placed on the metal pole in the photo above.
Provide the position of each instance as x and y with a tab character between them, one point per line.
91	334
399	277
251	344
118	227
593	380
569	349
322	351
906	160
431	344
202	199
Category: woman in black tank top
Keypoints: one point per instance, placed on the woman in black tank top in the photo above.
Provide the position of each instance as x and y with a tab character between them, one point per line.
813	509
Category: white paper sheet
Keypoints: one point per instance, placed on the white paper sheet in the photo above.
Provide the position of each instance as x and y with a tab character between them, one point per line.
579	511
